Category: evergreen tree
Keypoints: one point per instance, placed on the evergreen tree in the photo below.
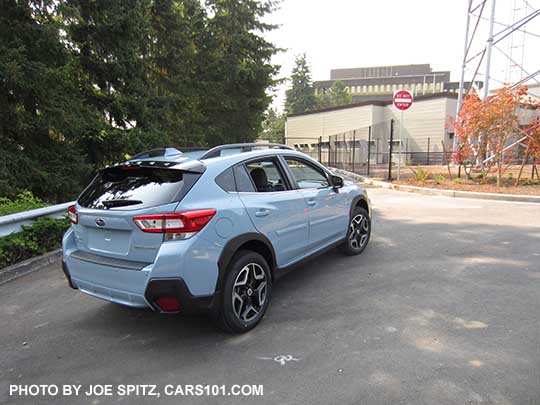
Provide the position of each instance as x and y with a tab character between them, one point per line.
273	127
173	70
301	96
84	83
110	41
42	112
336	95
237	70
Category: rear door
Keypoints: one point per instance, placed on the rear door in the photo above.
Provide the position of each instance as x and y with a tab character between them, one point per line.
328	208
276	210
107	206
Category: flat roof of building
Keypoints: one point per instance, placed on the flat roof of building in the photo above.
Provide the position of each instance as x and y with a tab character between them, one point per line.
376	103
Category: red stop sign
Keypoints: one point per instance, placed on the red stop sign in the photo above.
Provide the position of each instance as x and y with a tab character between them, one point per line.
403	100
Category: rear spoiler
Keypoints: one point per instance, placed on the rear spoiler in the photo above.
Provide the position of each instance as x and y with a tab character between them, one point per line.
191	166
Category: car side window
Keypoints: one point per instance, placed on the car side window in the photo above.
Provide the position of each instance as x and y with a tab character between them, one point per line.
226	180
243	181
266	175
307	175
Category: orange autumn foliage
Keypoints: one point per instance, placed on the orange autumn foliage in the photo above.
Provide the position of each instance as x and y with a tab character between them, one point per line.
484	127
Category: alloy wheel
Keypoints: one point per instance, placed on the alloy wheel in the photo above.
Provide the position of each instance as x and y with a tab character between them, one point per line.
249	292
358	231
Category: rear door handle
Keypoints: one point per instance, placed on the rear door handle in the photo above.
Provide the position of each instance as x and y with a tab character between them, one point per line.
262	213
312	203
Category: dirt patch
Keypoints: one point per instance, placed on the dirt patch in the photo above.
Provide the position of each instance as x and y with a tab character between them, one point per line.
471	185
438	177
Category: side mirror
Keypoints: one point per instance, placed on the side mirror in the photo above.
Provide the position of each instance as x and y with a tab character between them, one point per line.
337	182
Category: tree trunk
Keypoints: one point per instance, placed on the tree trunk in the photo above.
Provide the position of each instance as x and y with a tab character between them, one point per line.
522	164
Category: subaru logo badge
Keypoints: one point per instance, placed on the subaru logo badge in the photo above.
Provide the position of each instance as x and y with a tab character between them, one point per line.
100	222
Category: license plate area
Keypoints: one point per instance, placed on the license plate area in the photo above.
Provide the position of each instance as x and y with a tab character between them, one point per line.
109	240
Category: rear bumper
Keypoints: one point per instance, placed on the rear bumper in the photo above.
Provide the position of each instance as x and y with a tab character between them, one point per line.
100	285
143	291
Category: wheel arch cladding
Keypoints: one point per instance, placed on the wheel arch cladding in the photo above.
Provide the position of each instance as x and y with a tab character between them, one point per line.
249	241
359	201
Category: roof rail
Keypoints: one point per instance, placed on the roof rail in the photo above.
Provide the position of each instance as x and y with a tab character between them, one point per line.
245	147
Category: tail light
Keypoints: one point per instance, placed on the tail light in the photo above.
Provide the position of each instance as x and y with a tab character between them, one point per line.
72	214
175	225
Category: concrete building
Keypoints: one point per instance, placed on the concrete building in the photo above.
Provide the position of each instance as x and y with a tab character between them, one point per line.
380	82
425	124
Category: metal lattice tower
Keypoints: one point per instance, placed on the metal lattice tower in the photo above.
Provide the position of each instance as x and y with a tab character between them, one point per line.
516	44
496	38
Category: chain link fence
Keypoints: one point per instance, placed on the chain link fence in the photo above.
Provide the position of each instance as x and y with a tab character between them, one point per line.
373	151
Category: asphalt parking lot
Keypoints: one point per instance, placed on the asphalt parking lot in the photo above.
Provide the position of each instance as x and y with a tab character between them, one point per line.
443	307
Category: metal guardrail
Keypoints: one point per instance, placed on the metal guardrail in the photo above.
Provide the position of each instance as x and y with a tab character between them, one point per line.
13	223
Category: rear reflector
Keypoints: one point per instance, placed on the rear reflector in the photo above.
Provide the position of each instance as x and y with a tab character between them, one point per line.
186	222
72	214
168	304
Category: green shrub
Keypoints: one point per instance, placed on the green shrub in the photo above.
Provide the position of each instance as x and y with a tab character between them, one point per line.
439	178
422	175
25	201
44	235
529	182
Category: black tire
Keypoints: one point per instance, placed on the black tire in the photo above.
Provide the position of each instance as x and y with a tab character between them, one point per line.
358	233
234	314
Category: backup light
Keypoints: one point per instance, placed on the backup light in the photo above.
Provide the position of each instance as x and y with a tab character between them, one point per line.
72	214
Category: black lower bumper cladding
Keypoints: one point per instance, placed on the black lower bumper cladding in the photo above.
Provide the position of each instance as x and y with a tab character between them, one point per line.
176	287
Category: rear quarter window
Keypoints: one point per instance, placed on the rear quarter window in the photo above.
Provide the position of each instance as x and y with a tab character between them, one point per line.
243	181
226	180
143	187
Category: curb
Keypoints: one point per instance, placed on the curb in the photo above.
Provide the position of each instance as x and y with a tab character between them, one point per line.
29	266
441	192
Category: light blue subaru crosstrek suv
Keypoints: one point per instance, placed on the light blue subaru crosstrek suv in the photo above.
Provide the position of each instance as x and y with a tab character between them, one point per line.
208	230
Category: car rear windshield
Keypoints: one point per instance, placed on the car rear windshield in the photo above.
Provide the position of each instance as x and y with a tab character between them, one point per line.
128	188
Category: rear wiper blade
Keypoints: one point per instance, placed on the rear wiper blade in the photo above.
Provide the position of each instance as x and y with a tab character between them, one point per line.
120	203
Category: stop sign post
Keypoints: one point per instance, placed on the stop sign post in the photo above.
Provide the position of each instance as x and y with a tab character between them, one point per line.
403	100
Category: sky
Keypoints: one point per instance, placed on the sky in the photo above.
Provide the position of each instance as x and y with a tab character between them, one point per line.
358	33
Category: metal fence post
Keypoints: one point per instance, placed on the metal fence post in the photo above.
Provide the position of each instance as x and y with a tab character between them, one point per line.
336	150
320	147
368	149
329	151
353	148
390	149
428	142
345	152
